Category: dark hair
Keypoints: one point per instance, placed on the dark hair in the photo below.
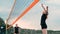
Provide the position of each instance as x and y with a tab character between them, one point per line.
46	6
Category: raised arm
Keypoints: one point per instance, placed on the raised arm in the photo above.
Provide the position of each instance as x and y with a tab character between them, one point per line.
43	6
46	8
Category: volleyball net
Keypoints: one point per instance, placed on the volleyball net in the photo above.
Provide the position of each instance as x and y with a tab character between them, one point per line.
19	9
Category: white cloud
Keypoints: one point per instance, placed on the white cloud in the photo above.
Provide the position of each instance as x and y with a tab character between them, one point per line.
25	24
53	18
53	1
4	9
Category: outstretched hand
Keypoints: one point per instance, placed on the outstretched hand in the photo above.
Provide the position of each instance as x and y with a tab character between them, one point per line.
42	5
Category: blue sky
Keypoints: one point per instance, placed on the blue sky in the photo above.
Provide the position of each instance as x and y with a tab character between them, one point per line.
32	19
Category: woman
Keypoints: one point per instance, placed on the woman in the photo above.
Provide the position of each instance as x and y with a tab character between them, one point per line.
16	30
43	19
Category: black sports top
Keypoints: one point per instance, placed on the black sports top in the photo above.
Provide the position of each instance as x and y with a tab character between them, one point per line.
43	18
16	29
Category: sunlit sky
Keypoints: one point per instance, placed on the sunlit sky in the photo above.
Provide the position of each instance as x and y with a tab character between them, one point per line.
31	20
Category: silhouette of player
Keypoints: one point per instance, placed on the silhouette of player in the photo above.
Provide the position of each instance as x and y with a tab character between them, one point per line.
43	19
16	29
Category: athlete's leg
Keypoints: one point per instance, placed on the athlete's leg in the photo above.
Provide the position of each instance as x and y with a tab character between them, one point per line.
44	28
44	31
16	33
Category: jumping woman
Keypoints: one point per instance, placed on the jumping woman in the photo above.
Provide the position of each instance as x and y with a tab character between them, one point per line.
43	19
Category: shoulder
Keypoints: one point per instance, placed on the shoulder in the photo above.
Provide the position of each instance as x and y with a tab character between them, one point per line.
44	12
17	27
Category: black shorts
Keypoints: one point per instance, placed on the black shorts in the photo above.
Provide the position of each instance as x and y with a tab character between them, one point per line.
16	33
43	26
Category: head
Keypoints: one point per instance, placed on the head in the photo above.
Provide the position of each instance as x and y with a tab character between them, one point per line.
46	10
46	7
16	25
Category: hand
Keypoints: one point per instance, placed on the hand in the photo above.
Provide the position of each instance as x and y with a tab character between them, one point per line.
42	5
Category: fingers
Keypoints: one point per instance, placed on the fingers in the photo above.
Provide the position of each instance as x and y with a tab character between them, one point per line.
42	5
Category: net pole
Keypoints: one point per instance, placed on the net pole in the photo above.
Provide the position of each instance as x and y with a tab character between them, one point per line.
10	15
